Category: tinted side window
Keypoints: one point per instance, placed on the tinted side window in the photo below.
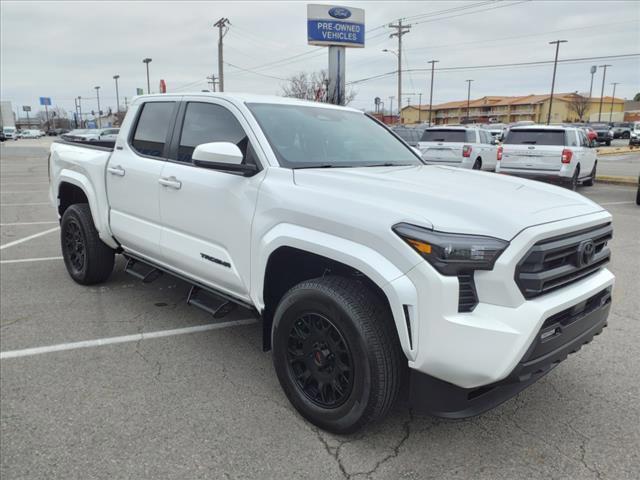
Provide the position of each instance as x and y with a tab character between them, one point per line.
571	138
152	128
206	123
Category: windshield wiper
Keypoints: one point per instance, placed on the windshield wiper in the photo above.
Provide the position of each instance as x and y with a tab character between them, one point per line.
388	164
324	165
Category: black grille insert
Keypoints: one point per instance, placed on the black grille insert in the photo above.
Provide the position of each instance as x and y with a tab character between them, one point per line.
467	296
555	262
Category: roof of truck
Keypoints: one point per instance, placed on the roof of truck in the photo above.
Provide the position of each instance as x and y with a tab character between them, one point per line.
247	98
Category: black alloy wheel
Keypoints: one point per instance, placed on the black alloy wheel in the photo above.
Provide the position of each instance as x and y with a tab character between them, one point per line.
320	360
74	246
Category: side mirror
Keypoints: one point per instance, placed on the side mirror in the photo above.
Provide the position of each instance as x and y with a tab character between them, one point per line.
224	156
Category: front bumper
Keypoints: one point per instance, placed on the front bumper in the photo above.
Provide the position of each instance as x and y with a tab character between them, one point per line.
561	334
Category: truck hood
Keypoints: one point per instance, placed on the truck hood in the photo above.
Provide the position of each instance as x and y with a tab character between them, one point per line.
451	199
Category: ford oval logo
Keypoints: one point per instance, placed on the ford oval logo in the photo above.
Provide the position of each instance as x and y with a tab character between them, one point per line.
340	12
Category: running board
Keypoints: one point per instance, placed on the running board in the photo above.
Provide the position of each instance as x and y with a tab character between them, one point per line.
210	302
142	271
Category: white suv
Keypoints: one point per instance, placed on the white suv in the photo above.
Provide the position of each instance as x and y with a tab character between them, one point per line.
465	147
551	152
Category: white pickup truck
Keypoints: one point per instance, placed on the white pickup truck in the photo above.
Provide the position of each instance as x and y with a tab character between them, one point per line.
369	269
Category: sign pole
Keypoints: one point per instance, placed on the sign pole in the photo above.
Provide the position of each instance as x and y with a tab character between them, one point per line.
46	112
336	75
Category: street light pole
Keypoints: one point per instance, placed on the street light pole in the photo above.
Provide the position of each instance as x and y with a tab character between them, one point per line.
432	62
553	81
468	97
604	75
147	61
613	96
420	107
98	97
116	77
80	109
593	72
391	107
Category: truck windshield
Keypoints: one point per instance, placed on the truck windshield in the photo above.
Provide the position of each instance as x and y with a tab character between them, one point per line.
310	137
535	137
443	135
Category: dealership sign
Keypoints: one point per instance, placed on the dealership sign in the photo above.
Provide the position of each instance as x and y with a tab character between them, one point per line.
331	25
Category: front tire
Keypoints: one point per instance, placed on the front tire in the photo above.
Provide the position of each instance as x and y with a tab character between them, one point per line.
336	353
87	258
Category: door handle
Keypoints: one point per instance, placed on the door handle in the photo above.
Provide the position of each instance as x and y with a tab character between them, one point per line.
119	171
170	182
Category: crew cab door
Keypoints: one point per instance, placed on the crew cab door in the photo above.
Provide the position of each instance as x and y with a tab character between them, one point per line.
132	175
207	214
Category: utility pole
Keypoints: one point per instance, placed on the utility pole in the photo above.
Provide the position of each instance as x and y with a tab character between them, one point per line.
116	77
98	97
75	104
613	96
80	109
400	31
222	24
147	61
553	81
212	80
420	107
604	75
432	62
468	97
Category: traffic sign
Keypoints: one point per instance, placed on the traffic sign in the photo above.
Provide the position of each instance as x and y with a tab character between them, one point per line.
139	91
45	101
26	108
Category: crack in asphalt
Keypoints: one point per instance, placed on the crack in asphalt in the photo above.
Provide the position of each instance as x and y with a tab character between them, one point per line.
334	452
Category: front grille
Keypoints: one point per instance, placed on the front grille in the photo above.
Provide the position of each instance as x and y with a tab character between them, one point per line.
558	261
467	297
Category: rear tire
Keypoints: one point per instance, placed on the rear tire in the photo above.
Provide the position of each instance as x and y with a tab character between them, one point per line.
477	165
592	177
87	258
336	353
608	143
573	183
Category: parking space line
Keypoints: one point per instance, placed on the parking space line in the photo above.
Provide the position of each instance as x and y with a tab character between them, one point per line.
26	239
27	223
23	204
26	260
99	342
22	183
616	203
22	191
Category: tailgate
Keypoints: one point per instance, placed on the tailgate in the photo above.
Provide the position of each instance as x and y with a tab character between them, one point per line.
534	157
445	152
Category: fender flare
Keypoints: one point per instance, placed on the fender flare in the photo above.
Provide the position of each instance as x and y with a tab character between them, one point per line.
100	222
392	281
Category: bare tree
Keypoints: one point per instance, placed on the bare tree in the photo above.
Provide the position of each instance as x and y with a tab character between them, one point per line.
579	104
312	86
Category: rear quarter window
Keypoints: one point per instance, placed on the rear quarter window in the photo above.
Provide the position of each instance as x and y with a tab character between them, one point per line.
535	137
150	135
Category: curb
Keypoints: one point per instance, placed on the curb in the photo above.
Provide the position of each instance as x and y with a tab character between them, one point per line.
617	151
613	180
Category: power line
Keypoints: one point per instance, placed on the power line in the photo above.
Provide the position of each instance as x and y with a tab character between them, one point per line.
503	65
253	72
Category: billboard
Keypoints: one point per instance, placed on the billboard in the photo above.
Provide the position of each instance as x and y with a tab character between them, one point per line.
333	25
45	101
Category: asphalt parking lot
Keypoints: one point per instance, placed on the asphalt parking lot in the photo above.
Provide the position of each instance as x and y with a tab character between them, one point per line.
205	402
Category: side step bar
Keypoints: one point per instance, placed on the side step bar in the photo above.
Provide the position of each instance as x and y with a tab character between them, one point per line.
218	304
210	302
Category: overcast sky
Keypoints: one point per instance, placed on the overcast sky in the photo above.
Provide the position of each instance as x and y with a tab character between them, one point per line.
64	49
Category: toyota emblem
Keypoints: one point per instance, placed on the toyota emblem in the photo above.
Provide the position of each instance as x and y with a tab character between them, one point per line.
586	252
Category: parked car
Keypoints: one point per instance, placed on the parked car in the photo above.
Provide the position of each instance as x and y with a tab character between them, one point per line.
99	135
411	135
465	147
621	129
365	266
10	133
634	135
75	135
2	137
31	133
603	131
549	152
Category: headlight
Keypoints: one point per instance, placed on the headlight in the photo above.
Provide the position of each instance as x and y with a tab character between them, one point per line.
452	253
